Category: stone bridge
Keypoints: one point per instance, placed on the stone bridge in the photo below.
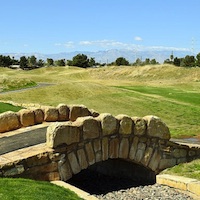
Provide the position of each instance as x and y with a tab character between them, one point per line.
79	138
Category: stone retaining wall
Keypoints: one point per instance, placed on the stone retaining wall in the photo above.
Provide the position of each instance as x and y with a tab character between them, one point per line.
27	117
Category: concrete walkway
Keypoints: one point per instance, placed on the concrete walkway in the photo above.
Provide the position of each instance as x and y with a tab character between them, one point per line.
22	138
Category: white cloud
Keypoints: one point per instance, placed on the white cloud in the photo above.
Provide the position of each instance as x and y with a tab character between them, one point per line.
137	38
166	48
69	44
104	43
110	44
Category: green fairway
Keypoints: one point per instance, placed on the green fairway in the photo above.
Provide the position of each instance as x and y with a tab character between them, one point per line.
8	107
180	96
24	189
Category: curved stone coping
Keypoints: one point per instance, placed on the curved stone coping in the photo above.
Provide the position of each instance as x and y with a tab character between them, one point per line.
87	128
180	182
28	117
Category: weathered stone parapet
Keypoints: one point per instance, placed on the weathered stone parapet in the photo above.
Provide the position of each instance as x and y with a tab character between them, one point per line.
28	117
108	137
106	125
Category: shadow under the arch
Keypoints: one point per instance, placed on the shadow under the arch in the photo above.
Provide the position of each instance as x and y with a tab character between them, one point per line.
112	175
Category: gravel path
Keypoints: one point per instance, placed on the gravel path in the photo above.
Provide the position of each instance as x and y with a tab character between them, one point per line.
151	192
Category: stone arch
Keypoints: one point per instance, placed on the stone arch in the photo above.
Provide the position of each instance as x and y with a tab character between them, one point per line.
72	146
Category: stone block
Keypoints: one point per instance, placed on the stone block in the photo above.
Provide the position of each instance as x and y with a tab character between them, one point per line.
18	169
52	176
124	148
109	124
82	159
39	159
78	111
91	127
41	169
154	161
167	163
181	160
98	156
105	149
62	133
74	163
179	153
50	114
63	112
39	115
147	156
27	117
140	151
114	148
64	169
9	121
125	124
97	145
191	153
90	153
157	128
133	148
97	150
139	126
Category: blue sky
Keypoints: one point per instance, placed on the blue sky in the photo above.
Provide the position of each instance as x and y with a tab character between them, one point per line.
54	26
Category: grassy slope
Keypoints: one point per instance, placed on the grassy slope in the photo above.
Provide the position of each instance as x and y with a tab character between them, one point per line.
169	92
190	170
24	189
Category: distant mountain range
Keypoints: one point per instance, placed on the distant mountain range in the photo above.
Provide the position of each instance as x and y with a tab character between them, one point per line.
110	55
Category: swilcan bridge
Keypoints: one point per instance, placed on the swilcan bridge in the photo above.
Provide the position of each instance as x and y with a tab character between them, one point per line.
78	138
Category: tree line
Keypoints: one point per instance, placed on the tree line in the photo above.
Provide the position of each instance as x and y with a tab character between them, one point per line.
81	60
187	61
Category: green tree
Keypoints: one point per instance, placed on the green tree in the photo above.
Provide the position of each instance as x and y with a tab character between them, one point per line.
40	63
138	62
167	61
32	61
60	62
5	61
50	62
23	62
92	62
153	62
198	60
121	61
177	61
147	61
189	61
80	60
